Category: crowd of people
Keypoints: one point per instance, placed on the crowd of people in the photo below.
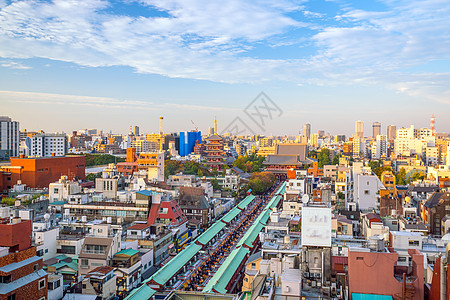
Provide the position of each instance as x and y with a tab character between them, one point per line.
218	253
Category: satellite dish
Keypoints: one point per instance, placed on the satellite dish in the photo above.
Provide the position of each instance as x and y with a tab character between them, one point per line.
305	198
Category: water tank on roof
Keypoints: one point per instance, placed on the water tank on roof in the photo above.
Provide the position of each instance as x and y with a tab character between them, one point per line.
84	219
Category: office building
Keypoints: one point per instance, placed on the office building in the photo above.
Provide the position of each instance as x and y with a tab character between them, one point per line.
376	127
359	129
307	130
9	137
47	144
391	132
135	130
188	140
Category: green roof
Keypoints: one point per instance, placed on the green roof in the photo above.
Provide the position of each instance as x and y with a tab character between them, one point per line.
251	234
357	296
230	215
206	236
265	217
58	203
175	264
144	292
244	203
226	271
129	252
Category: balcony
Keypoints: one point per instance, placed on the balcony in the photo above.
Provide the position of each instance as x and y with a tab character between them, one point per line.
97	252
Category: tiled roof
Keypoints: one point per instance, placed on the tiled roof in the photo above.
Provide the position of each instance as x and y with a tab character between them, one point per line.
434	200
138	226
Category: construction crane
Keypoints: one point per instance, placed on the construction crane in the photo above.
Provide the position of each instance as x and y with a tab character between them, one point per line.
196	128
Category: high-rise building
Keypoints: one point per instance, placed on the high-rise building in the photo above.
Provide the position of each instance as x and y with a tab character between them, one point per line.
9	137
391	132
307	130
187	141
48	144
359	129
376	127
321	133
379	147
135	130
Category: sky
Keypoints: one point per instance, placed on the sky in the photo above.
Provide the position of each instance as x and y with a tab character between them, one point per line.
72	64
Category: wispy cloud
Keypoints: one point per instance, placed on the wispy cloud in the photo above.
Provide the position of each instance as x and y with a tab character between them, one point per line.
13	65
211	40
101	102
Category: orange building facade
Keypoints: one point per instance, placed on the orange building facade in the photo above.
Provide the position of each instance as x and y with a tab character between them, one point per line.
39	172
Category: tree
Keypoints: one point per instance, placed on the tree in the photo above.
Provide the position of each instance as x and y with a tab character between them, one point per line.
215	184
260	182
240	163
418	176
323	157
401	177
8	201
335	160
93	176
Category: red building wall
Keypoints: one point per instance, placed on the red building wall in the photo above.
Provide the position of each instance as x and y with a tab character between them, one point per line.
373	273
29	291
40	172
16	236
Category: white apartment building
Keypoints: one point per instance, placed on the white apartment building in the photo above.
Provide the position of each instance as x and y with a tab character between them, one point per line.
9	137
47	144
431	155
62	189
410	141
379	147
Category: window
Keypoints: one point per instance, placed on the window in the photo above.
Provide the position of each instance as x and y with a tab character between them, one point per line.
366	192
359	258
414	243
253	266
36	267
84	263
5	279
402	259
12	297
42	284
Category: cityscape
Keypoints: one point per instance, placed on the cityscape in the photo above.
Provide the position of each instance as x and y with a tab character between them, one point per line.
177	215
234	150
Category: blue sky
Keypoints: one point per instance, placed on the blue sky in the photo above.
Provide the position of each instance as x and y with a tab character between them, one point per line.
67	64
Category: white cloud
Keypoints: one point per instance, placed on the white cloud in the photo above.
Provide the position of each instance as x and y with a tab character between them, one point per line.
13	65
209	40
102	102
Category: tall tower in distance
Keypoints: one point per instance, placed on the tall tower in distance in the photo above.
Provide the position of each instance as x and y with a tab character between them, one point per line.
376	127
307	130
433	124
215	125
391	132
135	130
161	135
359	129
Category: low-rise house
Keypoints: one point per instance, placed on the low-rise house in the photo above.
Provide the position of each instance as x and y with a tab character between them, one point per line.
128	268
100	281
96	252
